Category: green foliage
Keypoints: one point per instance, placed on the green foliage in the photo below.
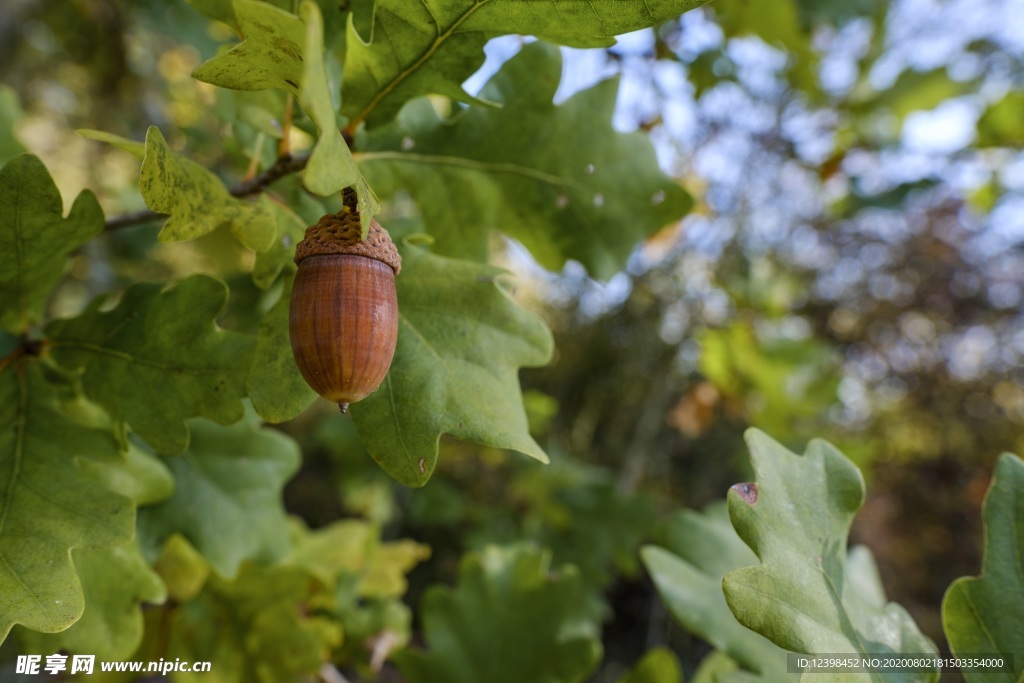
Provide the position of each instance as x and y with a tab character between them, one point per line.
284	51
416	48
255	628
35	238
461	341
226	500
578	511
334	597
271	55
796	519
197	201
331	166
49	505
115	581
509	619
164	338
700	549
984	614
369	580
557	178
142	501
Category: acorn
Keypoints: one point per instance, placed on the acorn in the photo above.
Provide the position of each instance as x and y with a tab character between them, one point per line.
343	317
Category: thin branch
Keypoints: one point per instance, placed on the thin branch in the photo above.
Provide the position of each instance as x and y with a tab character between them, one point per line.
285	165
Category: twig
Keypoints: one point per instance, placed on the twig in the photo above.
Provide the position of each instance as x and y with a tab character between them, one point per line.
285	165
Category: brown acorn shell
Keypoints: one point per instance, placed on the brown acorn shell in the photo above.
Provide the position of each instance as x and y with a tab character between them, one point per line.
343	318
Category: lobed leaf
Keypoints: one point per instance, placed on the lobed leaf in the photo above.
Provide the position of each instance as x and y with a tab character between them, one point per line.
197	201
159	358
420	48
227	499
796	519
269	57
557	178
509	619
461	341
35	238
984	615
282	50
331	166
49	504
114	581
262	627
701	549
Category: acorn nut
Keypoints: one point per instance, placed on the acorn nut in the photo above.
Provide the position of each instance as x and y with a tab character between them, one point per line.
343	317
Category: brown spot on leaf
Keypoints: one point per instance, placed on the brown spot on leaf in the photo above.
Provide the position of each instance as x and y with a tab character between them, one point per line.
747	491
291	83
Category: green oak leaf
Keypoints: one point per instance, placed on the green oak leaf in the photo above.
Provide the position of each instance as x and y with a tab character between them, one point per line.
420	48
141	476
269	57
510	619
115	581
557	178
384	574
159	358
984	615
367	577
197	201
282	50
35	238
227	498
700	548
331	166
461	341
276	387
49	505
803	597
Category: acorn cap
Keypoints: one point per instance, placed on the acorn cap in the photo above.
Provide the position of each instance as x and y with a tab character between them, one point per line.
339	234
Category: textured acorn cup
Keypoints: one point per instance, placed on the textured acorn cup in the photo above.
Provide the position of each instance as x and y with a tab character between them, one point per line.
343	318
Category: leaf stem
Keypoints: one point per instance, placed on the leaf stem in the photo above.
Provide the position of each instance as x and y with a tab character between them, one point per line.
284	166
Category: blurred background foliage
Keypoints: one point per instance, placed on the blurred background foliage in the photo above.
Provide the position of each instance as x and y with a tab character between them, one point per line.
854	270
